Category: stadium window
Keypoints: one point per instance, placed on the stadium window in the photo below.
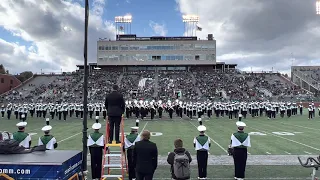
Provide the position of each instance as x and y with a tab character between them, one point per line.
2	80
154	57
198	46
197	57
114	48
124	48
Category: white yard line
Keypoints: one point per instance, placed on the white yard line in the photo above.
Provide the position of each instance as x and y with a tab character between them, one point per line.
72	136
268	153
307	152
143	128
300	126
213	140
287	153
90	129
286	139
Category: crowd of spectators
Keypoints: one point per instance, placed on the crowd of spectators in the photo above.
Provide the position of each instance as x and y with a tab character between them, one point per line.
138	84
170	82
195	84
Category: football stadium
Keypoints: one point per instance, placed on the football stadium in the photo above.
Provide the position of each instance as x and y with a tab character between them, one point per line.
173	87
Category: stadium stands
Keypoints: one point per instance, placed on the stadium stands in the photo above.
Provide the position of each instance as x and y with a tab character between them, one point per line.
194	85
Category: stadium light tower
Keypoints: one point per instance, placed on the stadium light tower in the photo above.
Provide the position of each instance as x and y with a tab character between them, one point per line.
190	24
123	24
318	7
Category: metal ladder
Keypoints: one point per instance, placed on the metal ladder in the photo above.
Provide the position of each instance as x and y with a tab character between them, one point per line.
114	159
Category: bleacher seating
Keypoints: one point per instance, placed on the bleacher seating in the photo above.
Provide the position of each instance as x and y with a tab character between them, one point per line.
195	84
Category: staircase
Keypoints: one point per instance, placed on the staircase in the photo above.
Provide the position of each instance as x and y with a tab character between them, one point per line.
266	92
119	79
224	94
194	81
156	84
292	83
308	80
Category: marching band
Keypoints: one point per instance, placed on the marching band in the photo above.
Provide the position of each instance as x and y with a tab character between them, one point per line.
141	109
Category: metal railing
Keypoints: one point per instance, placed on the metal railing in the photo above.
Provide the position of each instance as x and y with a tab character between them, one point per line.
307	79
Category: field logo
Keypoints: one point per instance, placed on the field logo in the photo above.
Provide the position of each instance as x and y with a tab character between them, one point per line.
257	133
283	133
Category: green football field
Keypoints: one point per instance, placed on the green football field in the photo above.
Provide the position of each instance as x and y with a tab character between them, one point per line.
276	143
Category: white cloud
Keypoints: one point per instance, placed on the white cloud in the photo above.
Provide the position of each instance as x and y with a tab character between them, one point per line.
158	29
55	30
259	34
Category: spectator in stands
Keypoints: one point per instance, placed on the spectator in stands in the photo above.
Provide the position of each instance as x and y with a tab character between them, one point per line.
115	106
179	154
145	157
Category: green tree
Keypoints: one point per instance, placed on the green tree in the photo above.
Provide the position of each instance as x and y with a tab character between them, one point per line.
24	76
2	69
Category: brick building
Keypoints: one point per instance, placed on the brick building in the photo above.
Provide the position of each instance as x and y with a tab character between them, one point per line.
8	82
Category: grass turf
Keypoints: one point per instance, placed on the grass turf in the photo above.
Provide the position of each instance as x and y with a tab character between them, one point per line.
303	140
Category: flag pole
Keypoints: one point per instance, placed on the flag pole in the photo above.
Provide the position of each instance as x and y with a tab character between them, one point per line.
85	92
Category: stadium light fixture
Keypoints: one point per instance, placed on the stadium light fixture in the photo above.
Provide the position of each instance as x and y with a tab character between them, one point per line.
318	7
123	19
190	18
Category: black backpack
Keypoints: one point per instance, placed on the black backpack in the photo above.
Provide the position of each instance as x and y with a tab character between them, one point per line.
11	146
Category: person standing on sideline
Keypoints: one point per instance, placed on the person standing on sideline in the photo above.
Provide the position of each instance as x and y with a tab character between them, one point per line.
96	145
130	141
47	139
115	106
202	145
179	160
21	136
239	142
145	157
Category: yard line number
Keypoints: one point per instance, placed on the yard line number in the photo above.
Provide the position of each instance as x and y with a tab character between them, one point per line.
276	133
152	133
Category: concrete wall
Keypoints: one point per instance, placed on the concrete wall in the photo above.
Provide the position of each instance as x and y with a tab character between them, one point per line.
8	82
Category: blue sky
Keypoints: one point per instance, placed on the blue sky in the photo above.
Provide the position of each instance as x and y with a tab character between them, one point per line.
48	34
143	11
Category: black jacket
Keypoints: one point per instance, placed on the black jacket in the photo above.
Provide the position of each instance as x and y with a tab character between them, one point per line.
170	158
115	104
145	156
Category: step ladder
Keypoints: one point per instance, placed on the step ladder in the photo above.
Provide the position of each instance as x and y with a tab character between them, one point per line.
114	160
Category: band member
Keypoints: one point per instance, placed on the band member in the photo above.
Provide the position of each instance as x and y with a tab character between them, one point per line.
310	109
47	139
9	110
239	142
21	136
202	145
301	108
152	110
3	109
160	109
96	144
130	140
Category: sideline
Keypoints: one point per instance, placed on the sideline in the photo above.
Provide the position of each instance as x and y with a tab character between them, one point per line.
90	129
